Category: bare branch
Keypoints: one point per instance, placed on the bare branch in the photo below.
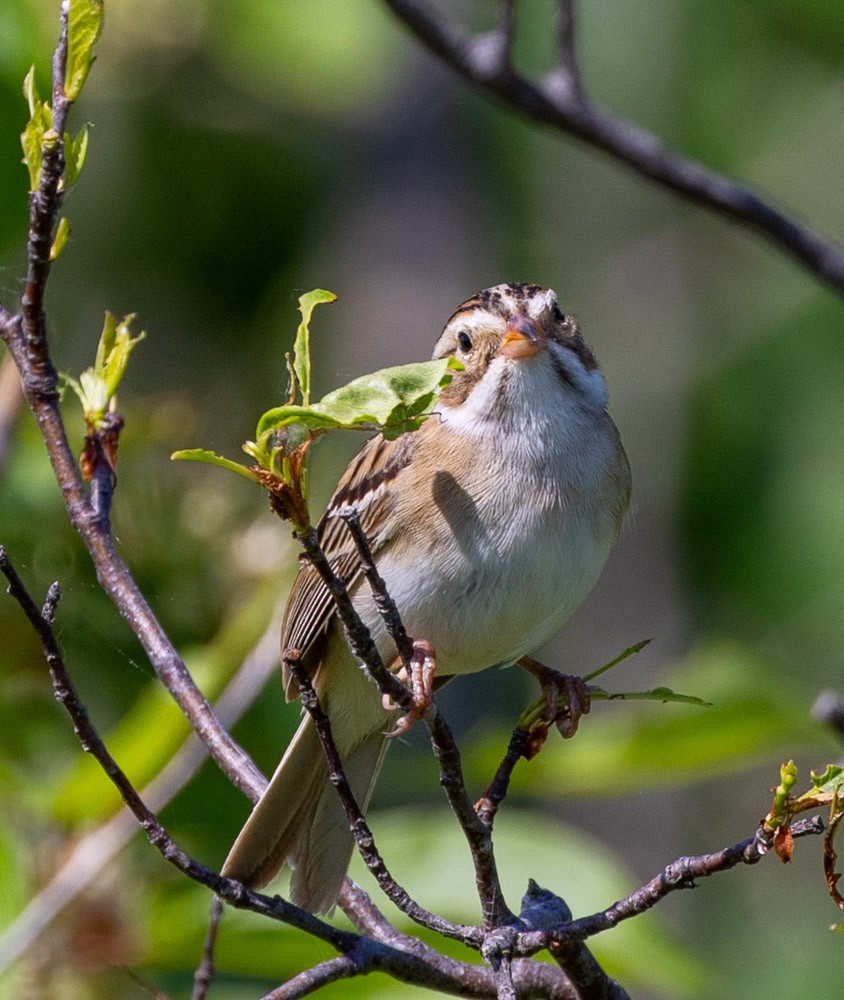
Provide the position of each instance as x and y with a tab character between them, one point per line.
44	205
93	851
357	821
681	874
357	634
204	975
567	74
383	602
487	805
547	103
313	979
531	978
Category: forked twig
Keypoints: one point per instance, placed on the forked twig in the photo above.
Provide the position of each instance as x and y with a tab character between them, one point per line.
566	109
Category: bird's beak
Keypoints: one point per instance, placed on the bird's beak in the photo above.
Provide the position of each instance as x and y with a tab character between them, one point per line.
523	337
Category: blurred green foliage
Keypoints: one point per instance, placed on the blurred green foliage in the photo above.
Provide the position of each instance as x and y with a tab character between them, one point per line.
240	154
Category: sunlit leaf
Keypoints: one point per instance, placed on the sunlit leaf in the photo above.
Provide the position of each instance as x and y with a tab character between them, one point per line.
393	399
30	91
61	237
85	22
301	346
662	694
75	151
831	780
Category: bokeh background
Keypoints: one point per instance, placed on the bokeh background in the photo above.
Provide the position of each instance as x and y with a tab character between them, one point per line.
243	153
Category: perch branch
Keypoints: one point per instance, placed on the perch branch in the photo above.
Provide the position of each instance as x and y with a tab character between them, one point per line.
553	102
681	874
357	821
478	835
437	973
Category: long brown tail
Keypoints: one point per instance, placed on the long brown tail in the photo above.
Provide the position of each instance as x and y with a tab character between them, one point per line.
300	820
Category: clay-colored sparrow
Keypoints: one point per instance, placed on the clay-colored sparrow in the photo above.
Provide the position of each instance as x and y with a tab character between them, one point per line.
490	525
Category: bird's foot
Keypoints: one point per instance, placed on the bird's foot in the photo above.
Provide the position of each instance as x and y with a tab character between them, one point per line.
568	696
423	666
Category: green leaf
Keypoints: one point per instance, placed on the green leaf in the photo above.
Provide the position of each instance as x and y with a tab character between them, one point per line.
831	780
85	22
98	384
75	151
662	694
392	399
32	137
30	91
60	239
301	346
202	455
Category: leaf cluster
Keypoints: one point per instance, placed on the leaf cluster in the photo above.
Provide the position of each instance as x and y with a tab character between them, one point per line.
393	401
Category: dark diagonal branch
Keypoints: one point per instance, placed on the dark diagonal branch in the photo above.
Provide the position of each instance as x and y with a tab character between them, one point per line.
26	337
385	605
566	109
429	969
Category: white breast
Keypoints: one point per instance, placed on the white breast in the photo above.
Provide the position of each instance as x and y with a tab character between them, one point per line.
523	523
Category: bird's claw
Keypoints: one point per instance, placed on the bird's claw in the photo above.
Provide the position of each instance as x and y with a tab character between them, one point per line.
423	666
568	696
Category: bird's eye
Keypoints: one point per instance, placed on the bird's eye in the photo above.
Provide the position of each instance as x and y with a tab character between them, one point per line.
557	313
464	342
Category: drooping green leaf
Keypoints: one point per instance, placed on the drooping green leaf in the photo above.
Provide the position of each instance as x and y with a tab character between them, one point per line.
203	455
61	237
392	399
85	22
301	346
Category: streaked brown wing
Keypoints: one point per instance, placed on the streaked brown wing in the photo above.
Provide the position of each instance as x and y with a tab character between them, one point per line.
366	485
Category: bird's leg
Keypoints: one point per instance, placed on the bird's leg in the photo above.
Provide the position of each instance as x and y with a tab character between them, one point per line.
568	696
423	666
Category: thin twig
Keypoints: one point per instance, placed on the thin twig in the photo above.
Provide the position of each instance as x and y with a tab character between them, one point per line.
44	203
496	913
567	74
204	975
358	635
357	821
478	835
323	974
546	103
496	791
384	603
93	851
